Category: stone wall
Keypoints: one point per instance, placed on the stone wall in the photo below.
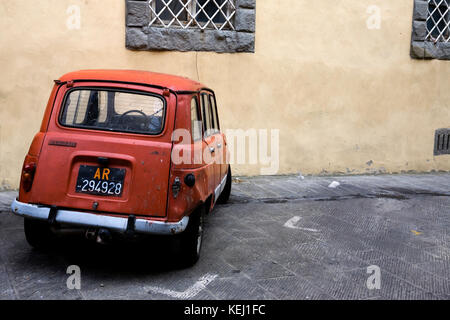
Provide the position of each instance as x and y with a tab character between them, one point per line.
139	36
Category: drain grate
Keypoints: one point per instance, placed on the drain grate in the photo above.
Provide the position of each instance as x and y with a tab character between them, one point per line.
442	142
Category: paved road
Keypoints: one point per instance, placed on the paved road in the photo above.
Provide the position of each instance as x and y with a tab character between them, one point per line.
279	238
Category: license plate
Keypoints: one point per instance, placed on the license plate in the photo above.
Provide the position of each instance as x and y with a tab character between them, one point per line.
100	181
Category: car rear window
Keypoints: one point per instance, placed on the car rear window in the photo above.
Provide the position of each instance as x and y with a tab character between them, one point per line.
111	110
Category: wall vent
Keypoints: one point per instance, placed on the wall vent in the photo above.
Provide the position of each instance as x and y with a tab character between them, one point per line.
442	142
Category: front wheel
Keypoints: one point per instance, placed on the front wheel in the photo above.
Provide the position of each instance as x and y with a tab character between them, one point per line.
38	233
191	239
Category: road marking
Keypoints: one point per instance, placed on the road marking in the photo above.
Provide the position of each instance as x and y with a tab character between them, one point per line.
291	223
189	292
334	185
417	233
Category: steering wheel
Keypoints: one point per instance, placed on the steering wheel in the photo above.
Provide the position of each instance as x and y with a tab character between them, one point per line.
144	122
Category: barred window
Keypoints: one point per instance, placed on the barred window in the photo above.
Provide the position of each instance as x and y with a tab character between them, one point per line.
438	21
202	14
430	38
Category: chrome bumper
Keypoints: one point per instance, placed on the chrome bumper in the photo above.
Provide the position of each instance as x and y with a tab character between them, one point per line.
99	221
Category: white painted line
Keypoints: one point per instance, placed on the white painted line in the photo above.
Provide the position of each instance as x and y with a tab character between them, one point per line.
334	185
189	292
291	223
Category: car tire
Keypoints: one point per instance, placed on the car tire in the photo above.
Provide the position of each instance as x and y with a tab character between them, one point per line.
38	233
225	195
190	241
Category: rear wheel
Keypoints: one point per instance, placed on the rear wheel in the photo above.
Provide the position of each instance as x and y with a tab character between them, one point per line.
38	233
191	239
225	195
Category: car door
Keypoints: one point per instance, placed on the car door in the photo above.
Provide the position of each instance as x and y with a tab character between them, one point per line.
210	140
220	139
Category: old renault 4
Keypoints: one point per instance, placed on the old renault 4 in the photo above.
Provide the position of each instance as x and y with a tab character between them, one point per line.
125	153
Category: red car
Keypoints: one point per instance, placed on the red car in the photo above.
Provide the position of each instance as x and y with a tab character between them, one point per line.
125	152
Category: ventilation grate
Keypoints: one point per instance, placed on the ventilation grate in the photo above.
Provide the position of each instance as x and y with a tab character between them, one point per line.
442	142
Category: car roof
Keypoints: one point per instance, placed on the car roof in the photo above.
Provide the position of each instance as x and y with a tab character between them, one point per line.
175	83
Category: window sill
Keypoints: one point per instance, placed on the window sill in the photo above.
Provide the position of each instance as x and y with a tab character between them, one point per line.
157	38
430	50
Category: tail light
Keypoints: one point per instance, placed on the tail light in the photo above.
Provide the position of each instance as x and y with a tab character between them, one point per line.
28	175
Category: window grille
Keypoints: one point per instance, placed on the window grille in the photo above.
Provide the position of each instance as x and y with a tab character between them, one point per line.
199	14
438	21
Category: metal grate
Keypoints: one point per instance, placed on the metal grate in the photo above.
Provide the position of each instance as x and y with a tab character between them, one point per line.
442	142
200	14
438	21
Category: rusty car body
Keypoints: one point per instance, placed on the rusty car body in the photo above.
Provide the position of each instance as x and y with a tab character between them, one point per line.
103	160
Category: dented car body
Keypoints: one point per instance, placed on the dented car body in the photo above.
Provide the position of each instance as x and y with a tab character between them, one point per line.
126	152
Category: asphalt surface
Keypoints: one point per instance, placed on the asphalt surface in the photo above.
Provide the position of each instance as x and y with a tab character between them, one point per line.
278	238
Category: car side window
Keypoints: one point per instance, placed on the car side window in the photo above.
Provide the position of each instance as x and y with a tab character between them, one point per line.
196	124
206	114
212	102
202	112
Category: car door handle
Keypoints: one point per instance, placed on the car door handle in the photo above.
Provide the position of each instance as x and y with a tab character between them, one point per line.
219	145
212	149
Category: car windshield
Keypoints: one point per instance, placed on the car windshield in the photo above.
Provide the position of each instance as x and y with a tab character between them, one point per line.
112	110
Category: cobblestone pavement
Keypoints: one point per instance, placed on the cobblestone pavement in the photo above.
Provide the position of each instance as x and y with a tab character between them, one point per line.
279	238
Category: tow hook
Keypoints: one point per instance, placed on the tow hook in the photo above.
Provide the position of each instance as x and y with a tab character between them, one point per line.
176	187
104	236
91	234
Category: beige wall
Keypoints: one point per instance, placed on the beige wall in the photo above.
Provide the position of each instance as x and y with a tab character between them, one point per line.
341	94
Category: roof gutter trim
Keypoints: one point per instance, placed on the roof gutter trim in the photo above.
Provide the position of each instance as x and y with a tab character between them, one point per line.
59	82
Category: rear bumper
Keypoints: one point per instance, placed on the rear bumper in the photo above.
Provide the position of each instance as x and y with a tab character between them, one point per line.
86	219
